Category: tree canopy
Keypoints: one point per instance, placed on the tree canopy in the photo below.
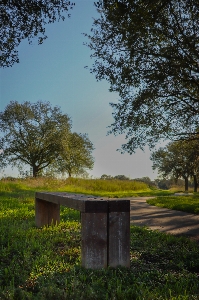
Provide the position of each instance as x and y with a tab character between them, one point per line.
75	156
179	159
21	19
36	134
117	177
149	53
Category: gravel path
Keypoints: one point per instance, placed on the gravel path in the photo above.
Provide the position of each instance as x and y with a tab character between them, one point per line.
163	219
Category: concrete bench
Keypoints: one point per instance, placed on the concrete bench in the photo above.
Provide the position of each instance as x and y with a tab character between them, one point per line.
105	226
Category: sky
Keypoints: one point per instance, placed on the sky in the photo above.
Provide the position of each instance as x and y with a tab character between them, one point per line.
55	72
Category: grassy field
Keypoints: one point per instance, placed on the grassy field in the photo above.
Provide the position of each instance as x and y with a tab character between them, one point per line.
44	263
97	187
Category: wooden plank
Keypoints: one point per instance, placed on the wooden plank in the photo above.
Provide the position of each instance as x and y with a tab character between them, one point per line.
119	205
71	201
46	213
119	233
79	202
94	240
119	239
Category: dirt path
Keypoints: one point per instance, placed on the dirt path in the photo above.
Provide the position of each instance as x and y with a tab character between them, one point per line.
163	219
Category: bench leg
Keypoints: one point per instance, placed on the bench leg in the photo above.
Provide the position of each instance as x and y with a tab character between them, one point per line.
46	213
119	239
94	240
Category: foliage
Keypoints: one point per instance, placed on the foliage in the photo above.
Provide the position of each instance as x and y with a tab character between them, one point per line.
32	134
121	177
44	263
147	180
177	159
106	177
23	19
40	136
166	184
184	203
148	52
117	177
76	155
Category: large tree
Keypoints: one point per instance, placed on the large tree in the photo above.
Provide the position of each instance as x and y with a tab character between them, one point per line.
179	159
75	158
31	134
21	19
149	53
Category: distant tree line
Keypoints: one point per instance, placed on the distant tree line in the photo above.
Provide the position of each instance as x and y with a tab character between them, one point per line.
163	182
146	180
40	136
167	183
119	177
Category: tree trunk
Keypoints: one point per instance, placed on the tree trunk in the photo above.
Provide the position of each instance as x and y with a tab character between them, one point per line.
195	183
35	171
186	184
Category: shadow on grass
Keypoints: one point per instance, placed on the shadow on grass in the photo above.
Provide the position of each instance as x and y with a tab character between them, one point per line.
161	266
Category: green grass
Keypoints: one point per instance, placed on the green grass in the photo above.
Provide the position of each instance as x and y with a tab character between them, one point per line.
188	204
96	187
44	263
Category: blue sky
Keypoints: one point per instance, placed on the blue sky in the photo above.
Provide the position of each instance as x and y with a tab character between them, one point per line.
54	72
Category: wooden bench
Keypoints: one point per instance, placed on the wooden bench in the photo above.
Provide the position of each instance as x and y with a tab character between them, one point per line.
105	226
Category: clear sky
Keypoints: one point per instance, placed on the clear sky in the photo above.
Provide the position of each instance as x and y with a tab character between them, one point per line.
54	72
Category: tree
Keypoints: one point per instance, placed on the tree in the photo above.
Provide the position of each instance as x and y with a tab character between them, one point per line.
146	180
32	134
21	19
75	156
106	177
121	177
166	184
178	159
149	53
